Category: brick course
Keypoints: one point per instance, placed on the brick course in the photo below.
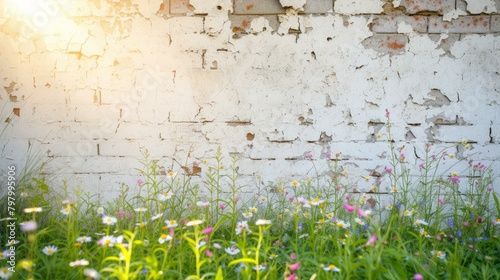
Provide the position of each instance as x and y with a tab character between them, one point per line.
495	23
466	24
256	7
389	23
423	6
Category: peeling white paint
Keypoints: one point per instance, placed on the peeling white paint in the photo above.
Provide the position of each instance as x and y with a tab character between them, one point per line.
481	6
259	25
295	4
94	45
287	22
453	14
148	8
76	42
404	28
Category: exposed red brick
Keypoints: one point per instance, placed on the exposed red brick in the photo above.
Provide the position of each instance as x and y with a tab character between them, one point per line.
395	46
249	7
240	24
417	6
495	23
389	24
389	44
466	24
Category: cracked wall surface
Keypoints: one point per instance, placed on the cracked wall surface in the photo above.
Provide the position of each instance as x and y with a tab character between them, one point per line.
92	84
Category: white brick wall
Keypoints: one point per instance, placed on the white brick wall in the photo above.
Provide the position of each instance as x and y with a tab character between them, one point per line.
100	82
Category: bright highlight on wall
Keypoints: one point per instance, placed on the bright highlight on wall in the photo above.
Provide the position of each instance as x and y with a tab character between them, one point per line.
39	17
28	7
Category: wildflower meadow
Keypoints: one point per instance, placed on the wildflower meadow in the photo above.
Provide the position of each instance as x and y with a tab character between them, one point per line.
431	219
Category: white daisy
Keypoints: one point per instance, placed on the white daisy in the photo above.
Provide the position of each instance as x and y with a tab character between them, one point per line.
82	262
108	220
84	239
165	196
171	223
262	222
164	238
49	250
232	251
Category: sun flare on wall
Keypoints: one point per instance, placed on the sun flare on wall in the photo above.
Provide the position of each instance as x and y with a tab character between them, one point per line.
39	18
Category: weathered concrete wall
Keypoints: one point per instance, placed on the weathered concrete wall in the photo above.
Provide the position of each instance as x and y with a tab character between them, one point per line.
92	83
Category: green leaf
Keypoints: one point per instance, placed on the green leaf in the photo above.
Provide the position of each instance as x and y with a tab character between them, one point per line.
41	184
112	258
219	275
248	260
222	220
190	240
497	203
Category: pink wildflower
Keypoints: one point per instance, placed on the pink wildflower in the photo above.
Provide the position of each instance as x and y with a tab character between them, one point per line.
388	170
208	253
418	277
292	277
294	266
371	240
302	200
208	230
363	214
349	208
222	206
293	256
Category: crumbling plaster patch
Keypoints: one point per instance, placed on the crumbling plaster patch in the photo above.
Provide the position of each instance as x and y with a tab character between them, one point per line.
294	4
481	6
454	14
